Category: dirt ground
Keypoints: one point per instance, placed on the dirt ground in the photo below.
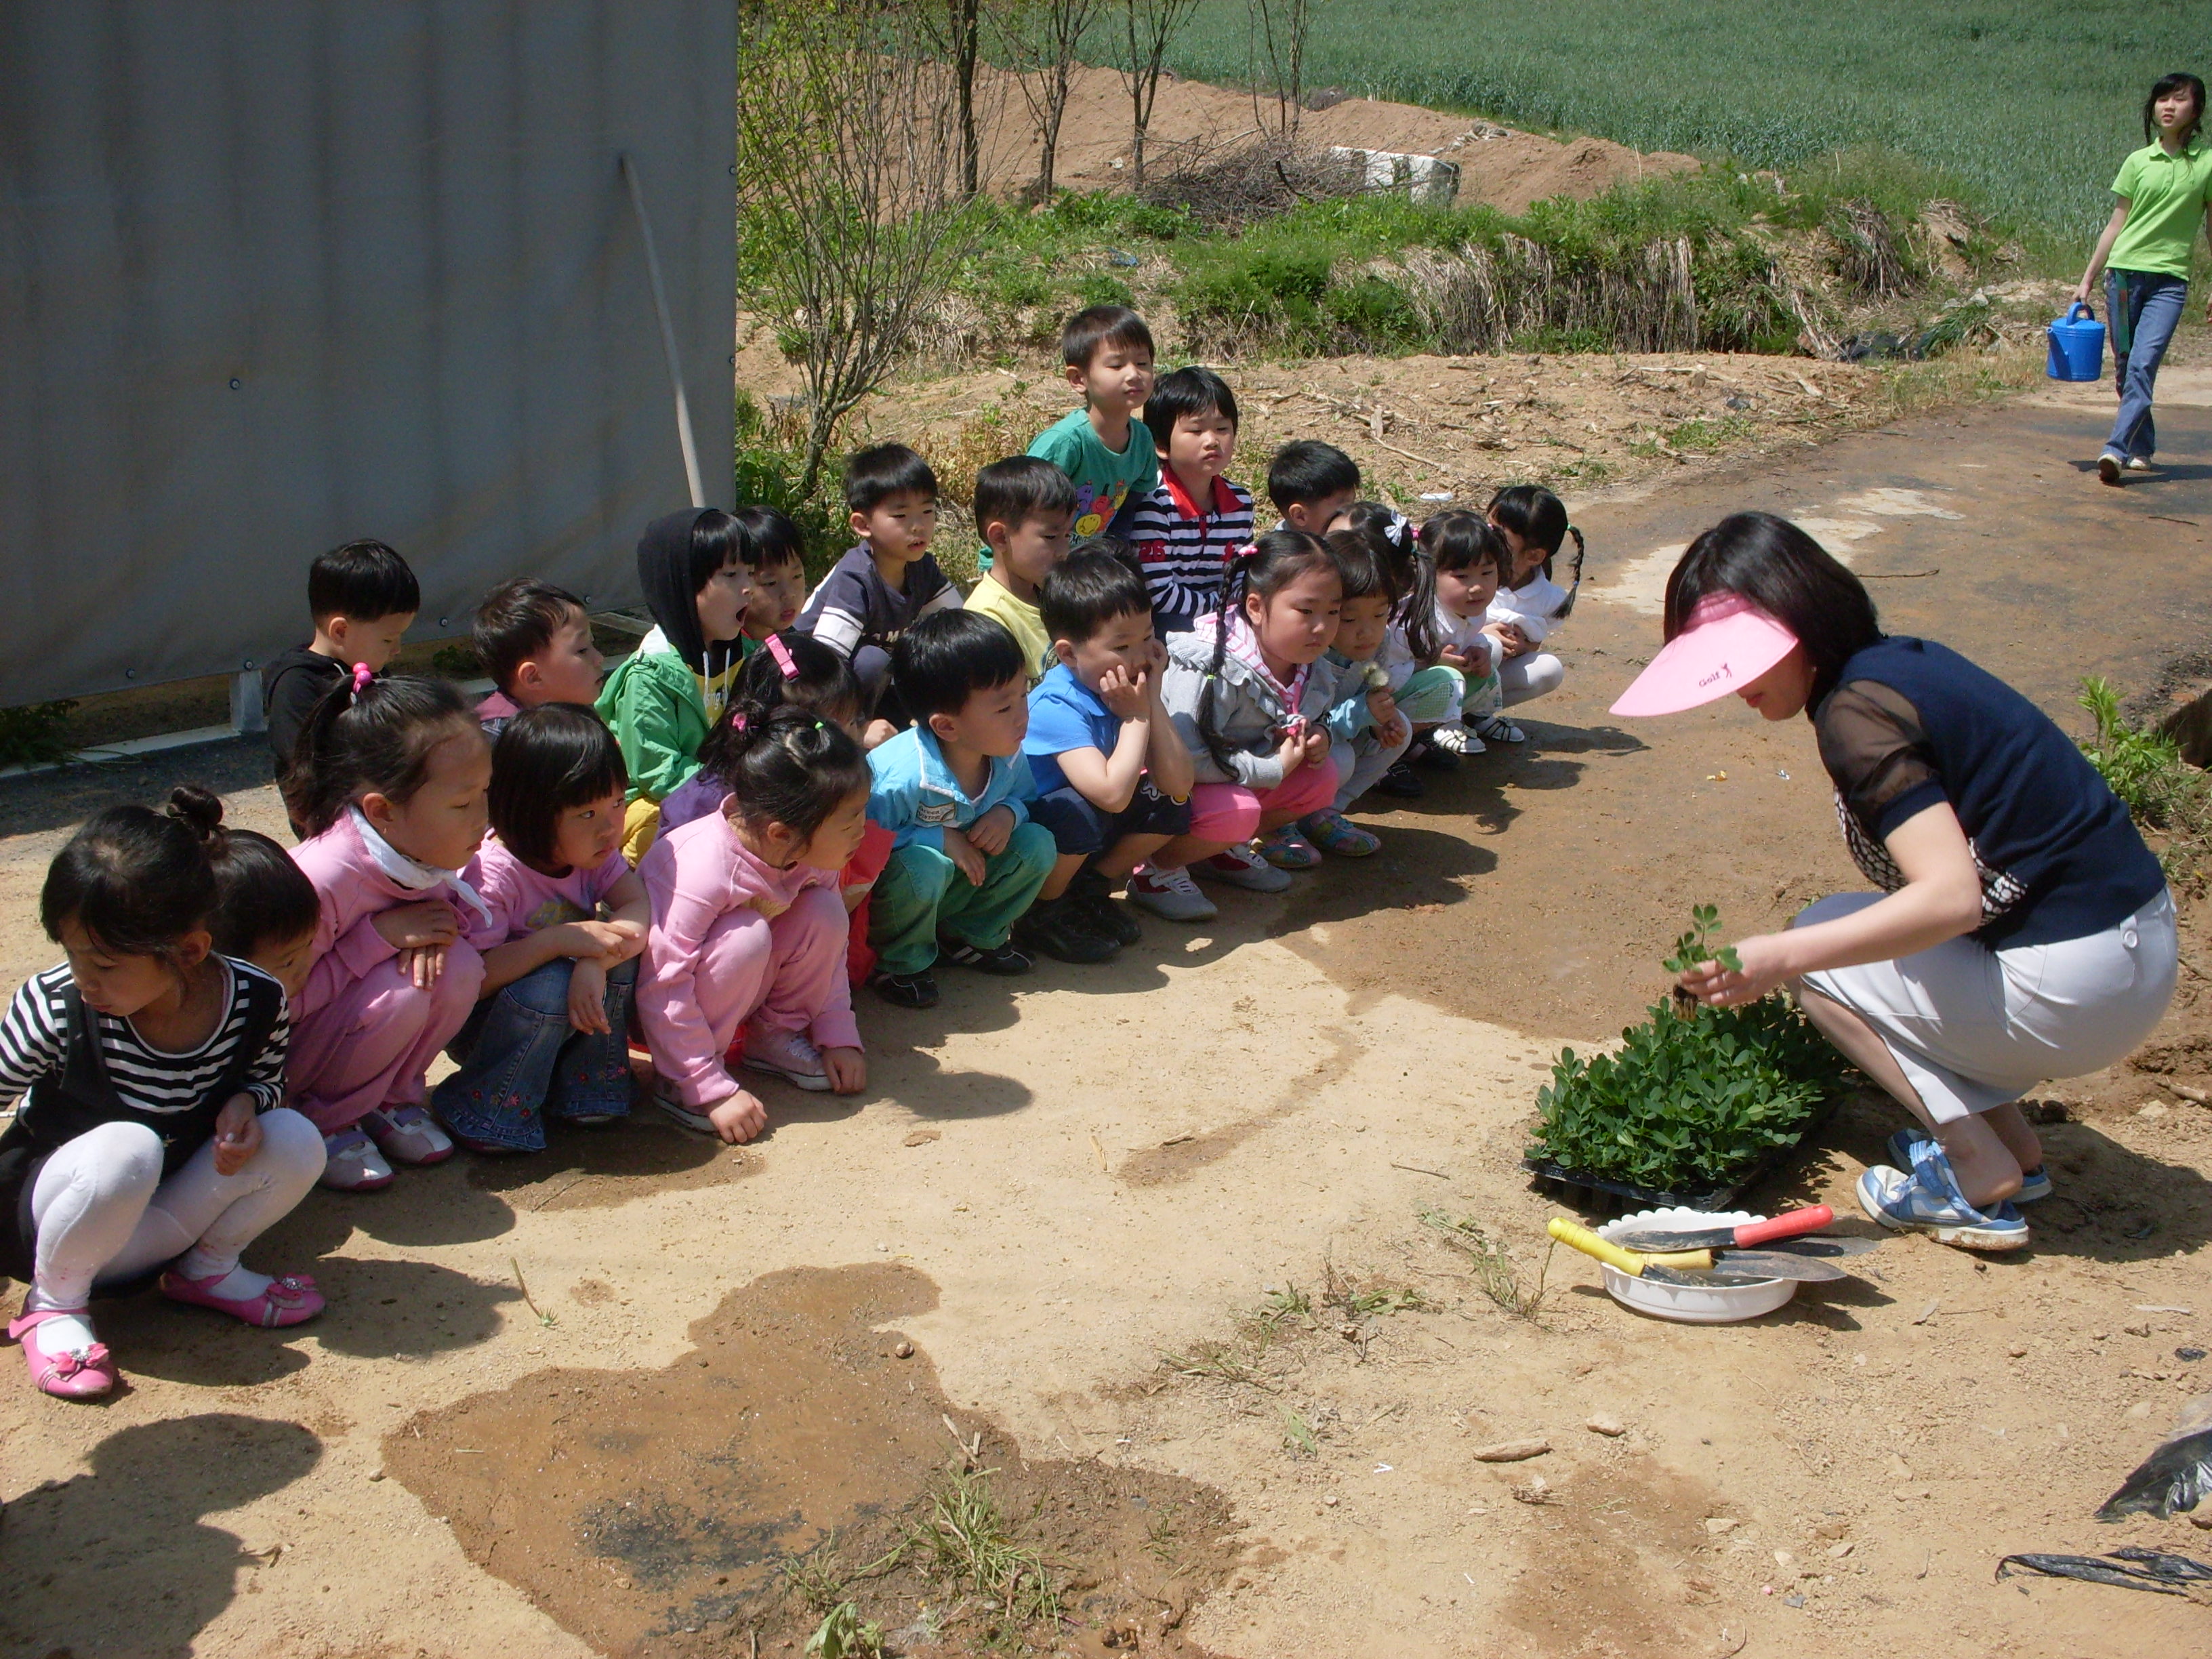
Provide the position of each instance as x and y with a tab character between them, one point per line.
1498	166
588	1403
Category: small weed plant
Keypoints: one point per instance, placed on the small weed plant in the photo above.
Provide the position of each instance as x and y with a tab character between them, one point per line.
965	1541
36	734
1696	1096
1495	1272
2162	792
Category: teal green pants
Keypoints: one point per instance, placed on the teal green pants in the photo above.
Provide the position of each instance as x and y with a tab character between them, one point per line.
921	894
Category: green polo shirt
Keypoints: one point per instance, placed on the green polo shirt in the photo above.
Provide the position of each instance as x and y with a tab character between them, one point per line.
2166	197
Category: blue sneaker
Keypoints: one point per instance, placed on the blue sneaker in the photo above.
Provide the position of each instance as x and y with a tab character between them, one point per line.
2033	1184
1928	1200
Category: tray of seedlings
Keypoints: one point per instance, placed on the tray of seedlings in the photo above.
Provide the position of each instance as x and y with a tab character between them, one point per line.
1697	1105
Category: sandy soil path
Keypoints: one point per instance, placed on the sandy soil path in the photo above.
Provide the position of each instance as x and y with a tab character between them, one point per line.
1048	1189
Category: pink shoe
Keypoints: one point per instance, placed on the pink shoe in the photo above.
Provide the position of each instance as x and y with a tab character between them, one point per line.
84	1375
290	1299
407	1134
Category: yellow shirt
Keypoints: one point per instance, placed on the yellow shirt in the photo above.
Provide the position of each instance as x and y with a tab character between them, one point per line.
1019	617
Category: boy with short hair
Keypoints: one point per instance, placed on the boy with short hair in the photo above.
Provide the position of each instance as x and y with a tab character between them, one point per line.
1110	459
1311	483
1194	521
362	598
951	788
535	641
1024	507
1113	777
890	581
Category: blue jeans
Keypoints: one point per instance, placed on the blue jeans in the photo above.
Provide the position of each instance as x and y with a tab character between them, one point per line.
2145	307
522	1060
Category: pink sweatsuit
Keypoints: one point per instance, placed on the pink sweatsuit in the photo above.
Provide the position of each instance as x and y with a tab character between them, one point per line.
362	1035
733	939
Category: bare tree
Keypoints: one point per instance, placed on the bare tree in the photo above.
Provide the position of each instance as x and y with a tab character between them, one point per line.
1149	28
1280	28
849	199
1039	40
954	30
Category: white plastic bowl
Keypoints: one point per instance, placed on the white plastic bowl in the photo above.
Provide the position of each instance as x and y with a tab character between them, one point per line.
1691	1304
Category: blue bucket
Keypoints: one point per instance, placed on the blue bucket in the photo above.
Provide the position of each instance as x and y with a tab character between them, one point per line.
2077	346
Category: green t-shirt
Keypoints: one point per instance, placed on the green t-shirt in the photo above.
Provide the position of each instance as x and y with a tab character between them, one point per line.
1103	480
2166	198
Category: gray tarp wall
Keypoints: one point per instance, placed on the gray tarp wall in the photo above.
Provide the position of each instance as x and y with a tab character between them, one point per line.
278	273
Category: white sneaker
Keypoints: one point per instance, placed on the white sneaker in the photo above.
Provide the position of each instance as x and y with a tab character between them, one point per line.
1171	895
1240	866
352	1163
2136	464
1456	739
786	1055
406	1134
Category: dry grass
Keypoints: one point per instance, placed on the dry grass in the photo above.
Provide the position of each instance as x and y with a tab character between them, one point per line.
1491	1260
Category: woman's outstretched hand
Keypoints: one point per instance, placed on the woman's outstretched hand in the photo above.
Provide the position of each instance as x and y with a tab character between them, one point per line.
1718	985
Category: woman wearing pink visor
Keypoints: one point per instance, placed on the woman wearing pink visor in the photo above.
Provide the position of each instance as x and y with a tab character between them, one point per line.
2022	931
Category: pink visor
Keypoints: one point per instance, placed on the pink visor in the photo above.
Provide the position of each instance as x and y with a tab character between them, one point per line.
1729	643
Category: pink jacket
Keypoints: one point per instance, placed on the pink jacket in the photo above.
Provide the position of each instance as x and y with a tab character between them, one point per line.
695	875
353	892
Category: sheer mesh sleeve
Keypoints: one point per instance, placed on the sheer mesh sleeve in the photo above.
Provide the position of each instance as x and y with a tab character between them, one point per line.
1876	749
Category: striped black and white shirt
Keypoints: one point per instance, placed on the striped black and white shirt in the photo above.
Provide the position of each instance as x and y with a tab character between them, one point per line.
35	1044
1185	548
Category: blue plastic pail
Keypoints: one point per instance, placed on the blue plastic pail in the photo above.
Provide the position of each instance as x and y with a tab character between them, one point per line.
2077	346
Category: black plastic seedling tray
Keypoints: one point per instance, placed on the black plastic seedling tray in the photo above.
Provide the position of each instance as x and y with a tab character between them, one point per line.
1593	1192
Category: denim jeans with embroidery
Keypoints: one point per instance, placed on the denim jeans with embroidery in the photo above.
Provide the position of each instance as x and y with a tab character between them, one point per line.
521	1060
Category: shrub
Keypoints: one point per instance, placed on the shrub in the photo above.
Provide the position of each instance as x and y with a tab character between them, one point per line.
1694	1098
2162	792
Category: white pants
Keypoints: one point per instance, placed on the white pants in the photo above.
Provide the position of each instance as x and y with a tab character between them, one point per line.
103	1212
1973	1028
1525	678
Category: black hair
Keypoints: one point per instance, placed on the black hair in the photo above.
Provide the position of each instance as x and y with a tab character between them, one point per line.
1364	571
1789	576
876	474
2166	86
1087	590
361	582
1102	326
1539	518
1266	568
261	896
373	742
1013	491
1391	534
1186	391
517	620
767	539
820	682
948	656
1458	540
794	769
546	760
137	881
1308	470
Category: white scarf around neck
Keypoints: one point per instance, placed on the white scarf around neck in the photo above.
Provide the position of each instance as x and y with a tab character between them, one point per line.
412	873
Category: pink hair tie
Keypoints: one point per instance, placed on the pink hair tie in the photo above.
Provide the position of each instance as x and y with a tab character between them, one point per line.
362	674
781	652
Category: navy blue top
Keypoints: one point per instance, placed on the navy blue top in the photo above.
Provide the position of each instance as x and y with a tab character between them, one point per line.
1911	723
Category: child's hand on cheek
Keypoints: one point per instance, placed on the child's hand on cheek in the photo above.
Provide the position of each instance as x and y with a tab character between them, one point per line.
1124	694
877	734
989	834
965	859
587	997
739	1118
847	1070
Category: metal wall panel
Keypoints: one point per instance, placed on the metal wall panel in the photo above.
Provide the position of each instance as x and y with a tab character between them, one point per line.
275	274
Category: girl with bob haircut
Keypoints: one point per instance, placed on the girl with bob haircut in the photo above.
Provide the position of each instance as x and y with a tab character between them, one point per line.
2019	930
550	1037
2165	193
152	1132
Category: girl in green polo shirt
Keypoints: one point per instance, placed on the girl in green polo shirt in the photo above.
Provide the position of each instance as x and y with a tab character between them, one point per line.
2166	192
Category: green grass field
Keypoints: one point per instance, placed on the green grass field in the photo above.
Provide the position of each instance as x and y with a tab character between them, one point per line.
2029	103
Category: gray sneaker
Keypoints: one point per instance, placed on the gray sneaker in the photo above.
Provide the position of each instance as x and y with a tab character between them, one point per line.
1240	866
1171	895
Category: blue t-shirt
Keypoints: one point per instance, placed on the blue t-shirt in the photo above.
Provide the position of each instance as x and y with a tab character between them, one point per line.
1910	723
1065	714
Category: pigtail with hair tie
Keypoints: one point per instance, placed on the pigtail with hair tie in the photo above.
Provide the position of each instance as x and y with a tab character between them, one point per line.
363	675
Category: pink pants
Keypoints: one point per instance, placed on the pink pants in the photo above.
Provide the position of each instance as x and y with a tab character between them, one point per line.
1230	812
372	1045
787	974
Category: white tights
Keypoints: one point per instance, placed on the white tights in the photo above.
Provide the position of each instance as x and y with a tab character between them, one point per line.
1524	679
104	1212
